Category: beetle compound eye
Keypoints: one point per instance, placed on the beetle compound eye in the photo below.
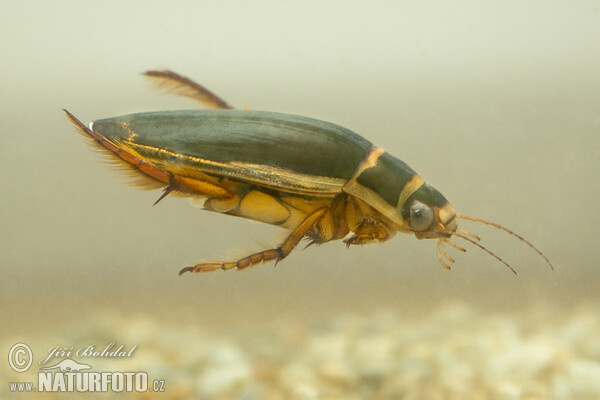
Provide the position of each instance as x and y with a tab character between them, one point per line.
421	216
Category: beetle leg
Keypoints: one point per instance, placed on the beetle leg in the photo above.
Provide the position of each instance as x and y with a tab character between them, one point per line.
276	254
166	191
222	204
157	177
332	226
217	194
370	230
177	84
363	221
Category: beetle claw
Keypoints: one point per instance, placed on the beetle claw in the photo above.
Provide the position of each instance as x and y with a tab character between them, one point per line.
186	269
310	244
352	240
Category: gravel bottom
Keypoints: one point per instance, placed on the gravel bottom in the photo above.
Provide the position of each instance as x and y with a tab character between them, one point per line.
452	352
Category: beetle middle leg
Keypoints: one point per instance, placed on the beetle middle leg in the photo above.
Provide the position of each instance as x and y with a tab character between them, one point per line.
276	254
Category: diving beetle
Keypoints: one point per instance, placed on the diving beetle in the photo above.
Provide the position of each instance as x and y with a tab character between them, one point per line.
316	179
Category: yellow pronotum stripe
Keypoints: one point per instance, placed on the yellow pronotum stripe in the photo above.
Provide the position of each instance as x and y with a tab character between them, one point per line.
367	195
409	189
374	199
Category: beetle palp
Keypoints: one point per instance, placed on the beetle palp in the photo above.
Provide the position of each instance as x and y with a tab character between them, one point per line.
471	235
457	247
440	244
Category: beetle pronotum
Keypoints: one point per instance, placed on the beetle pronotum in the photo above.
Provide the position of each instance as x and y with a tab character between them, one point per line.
314	178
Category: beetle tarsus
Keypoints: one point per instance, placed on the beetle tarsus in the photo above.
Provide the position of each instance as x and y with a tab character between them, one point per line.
241	264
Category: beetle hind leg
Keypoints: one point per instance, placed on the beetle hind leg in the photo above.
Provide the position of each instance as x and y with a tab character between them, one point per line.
276	254
144	173
177	84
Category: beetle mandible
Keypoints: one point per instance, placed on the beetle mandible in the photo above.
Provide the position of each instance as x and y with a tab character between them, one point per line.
316	179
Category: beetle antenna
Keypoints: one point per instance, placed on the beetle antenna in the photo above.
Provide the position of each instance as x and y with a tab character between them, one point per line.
468	239
521	238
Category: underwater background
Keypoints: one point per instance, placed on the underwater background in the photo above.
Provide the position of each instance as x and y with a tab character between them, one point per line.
496	104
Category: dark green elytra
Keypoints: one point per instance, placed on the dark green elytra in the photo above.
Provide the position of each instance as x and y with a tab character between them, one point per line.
295	143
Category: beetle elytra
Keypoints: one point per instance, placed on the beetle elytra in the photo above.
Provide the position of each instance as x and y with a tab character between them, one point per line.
318	180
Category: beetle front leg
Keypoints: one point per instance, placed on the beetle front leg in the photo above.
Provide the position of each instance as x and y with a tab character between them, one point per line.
276	254
363	220
370	230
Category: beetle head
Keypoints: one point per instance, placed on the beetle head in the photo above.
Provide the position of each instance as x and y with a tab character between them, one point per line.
429	215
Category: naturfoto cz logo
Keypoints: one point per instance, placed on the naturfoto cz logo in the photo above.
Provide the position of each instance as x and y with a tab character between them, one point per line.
68	375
